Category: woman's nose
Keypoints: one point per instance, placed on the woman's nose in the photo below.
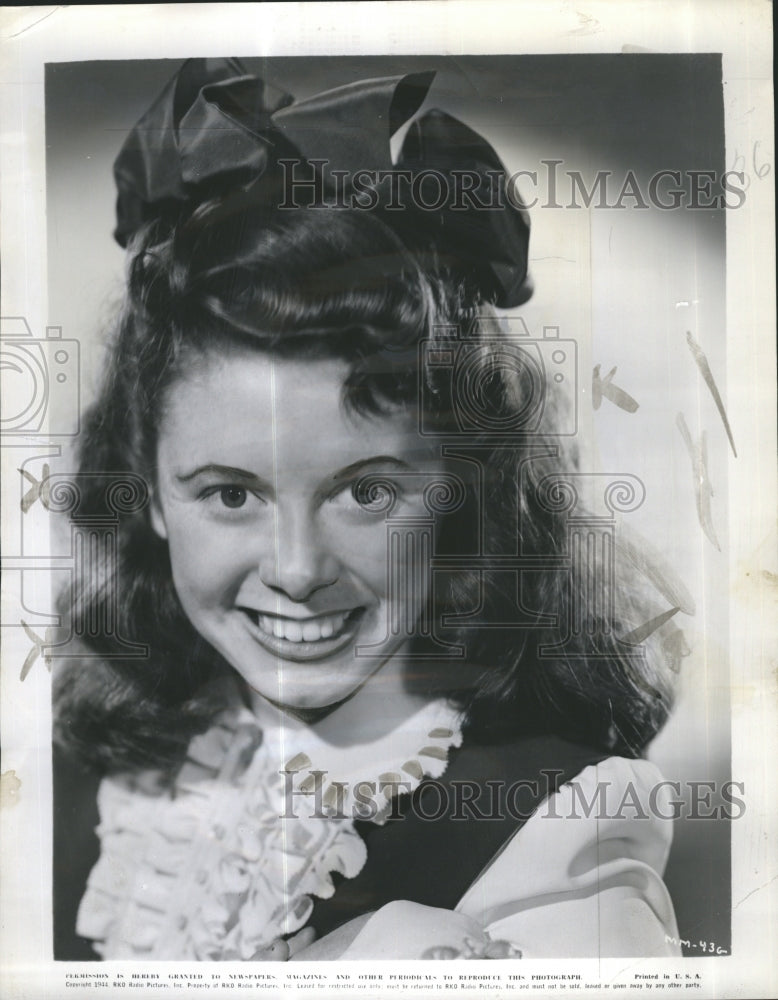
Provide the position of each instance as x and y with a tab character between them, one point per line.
296	560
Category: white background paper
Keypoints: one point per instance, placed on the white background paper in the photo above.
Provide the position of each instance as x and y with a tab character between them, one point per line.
732	667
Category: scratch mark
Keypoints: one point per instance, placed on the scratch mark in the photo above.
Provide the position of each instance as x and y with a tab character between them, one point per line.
34	23
603	387
703	491
642	632
39	489
759	888
702	364
38	645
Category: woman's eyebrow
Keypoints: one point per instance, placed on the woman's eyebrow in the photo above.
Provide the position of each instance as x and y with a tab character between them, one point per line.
350	471
219	470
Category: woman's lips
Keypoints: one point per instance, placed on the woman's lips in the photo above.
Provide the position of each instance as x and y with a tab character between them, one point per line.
307	638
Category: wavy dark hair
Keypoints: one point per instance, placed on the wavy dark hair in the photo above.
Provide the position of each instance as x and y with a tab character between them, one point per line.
335	283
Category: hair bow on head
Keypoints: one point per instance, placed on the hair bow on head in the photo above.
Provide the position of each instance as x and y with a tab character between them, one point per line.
215	128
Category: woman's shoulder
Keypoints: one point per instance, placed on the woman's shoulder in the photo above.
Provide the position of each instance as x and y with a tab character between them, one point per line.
614	807
617	799
516	776
616	787
579	877
588	865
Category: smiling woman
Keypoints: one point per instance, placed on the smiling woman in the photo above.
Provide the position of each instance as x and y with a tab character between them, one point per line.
351	571
277	559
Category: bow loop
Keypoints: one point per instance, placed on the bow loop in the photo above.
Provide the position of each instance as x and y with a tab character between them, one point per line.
148	171
227	134
216	128
350	127
479	220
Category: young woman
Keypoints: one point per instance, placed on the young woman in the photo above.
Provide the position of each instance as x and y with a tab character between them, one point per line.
363	728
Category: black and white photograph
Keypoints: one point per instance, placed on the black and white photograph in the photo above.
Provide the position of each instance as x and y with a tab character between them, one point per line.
389	486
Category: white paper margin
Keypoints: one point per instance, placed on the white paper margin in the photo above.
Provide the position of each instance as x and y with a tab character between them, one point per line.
741	31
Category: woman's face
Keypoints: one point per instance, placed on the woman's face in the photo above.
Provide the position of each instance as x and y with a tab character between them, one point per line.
277	560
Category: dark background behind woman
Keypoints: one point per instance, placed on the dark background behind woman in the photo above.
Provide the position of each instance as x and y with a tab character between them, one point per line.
625	283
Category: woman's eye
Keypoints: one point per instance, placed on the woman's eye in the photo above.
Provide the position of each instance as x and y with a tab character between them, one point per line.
375	497
233	496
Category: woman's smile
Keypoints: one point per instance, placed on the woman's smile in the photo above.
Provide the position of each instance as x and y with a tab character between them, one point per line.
301	639
280	558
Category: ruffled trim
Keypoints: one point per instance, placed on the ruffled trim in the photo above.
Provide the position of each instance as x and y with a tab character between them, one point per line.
370	798
221	867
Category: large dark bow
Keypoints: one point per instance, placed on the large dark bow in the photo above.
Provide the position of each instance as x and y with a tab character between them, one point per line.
215	128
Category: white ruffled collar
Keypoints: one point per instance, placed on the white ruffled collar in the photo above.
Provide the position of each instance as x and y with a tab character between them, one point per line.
394	762
379	768
233	858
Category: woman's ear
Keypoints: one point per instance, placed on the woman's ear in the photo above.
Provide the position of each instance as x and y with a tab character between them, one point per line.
157	517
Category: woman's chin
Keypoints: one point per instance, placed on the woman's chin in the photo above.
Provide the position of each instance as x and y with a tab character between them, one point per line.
310	693
306	677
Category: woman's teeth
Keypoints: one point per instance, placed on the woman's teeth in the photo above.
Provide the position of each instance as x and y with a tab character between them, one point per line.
323	627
